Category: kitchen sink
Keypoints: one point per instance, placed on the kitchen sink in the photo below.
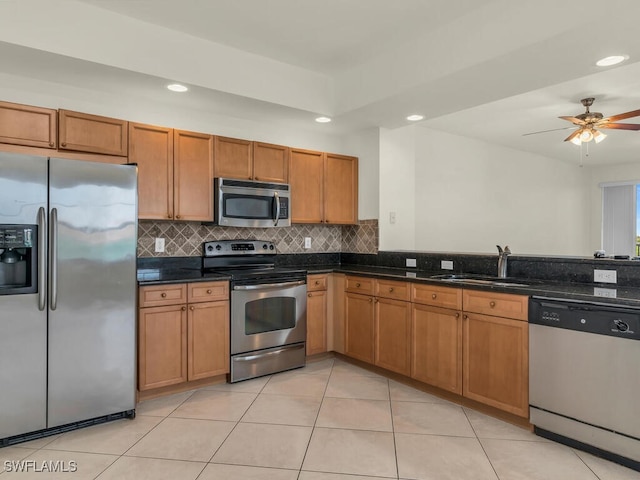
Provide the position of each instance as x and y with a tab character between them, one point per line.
480	280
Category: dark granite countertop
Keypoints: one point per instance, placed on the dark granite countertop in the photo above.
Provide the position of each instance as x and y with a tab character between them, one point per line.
178	272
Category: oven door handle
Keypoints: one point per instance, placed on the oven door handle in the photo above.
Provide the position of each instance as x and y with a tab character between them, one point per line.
269	286
250	358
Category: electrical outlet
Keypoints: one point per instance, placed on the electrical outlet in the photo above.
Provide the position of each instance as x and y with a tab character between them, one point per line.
605	276
604	292
159	245
411	262
307	242
392	217
446	264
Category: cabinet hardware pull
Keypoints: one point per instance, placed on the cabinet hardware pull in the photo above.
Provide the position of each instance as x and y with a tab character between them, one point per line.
51	144
390	289
309	295
63	144
163	295
457	315
376	299
183	308
434	296
169	215
370	300
209	291
317	282
192	308
177	216
357	285
492	304
465	317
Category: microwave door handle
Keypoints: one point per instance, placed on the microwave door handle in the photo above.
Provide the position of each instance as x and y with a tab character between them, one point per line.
277	201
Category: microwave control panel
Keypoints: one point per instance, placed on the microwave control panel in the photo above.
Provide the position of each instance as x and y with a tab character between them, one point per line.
284	207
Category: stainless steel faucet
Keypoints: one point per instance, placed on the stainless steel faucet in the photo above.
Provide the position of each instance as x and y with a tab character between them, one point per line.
502	260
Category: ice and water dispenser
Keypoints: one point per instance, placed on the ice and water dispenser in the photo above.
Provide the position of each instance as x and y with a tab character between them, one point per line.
18	259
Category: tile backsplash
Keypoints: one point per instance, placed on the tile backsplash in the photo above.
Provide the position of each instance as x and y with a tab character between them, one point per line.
184	239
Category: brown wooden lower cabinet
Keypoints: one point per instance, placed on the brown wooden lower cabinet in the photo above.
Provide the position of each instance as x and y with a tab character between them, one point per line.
182	340
393	335
496	365
208	340
359	326
316	322
162	346
436	350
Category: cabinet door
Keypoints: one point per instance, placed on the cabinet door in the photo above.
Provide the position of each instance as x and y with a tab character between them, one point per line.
151	148
340	189
193	176
436	353
359	328
306	173
92	133
162	346
233	158
316	322
27	125
393	335
496	362
208	340
270	163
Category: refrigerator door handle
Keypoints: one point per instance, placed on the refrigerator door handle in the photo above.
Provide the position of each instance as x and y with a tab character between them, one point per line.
42	259
53	259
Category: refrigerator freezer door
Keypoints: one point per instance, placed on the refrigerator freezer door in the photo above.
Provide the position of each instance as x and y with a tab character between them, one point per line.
23	327
92	329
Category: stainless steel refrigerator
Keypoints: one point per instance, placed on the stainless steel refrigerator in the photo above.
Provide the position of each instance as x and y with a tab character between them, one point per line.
68	234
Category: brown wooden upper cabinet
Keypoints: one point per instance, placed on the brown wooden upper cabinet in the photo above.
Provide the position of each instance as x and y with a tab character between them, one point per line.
324	187
82	132
27	125
244	159
175	172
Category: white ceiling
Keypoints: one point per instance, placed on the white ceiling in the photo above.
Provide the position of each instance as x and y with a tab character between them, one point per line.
488	69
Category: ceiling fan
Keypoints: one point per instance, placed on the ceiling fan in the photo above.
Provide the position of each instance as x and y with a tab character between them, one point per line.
589	123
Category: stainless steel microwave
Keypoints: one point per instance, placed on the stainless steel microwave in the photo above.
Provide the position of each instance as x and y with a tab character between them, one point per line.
245	203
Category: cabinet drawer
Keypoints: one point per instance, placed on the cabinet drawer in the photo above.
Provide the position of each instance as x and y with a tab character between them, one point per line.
361	285
444	297
158	295
207	291
496	304
316	282
392	289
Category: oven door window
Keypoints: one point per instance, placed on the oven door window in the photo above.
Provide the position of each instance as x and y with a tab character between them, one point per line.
254	207
269	314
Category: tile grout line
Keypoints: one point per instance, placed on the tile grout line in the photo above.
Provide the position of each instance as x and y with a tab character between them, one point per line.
313	428
393	431
585	463
480	443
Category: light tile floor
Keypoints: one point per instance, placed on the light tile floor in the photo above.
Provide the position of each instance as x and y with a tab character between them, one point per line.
328	421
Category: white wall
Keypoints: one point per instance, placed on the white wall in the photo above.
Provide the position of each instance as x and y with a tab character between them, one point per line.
366	146
397	189
471	195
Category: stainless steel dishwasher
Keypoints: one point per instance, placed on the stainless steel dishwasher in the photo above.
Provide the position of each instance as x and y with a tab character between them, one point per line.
584	378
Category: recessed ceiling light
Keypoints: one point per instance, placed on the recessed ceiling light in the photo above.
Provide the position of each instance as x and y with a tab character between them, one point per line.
415	118
176	87
323	119
612	60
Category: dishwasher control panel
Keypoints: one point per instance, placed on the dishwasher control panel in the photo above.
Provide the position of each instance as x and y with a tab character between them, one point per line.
623	322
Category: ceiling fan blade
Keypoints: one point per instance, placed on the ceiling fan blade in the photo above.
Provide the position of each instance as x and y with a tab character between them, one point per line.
575	120
620	126
573	135
622	116
545	131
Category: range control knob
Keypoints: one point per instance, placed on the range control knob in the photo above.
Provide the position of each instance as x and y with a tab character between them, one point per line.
622	326
218	247
209	248
271	247
264	247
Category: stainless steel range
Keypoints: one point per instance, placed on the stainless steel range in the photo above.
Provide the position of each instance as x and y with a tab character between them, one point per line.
268	307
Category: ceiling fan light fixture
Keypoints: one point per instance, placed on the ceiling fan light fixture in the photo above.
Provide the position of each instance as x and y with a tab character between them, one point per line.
598	136
611	60
576	140
586	135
